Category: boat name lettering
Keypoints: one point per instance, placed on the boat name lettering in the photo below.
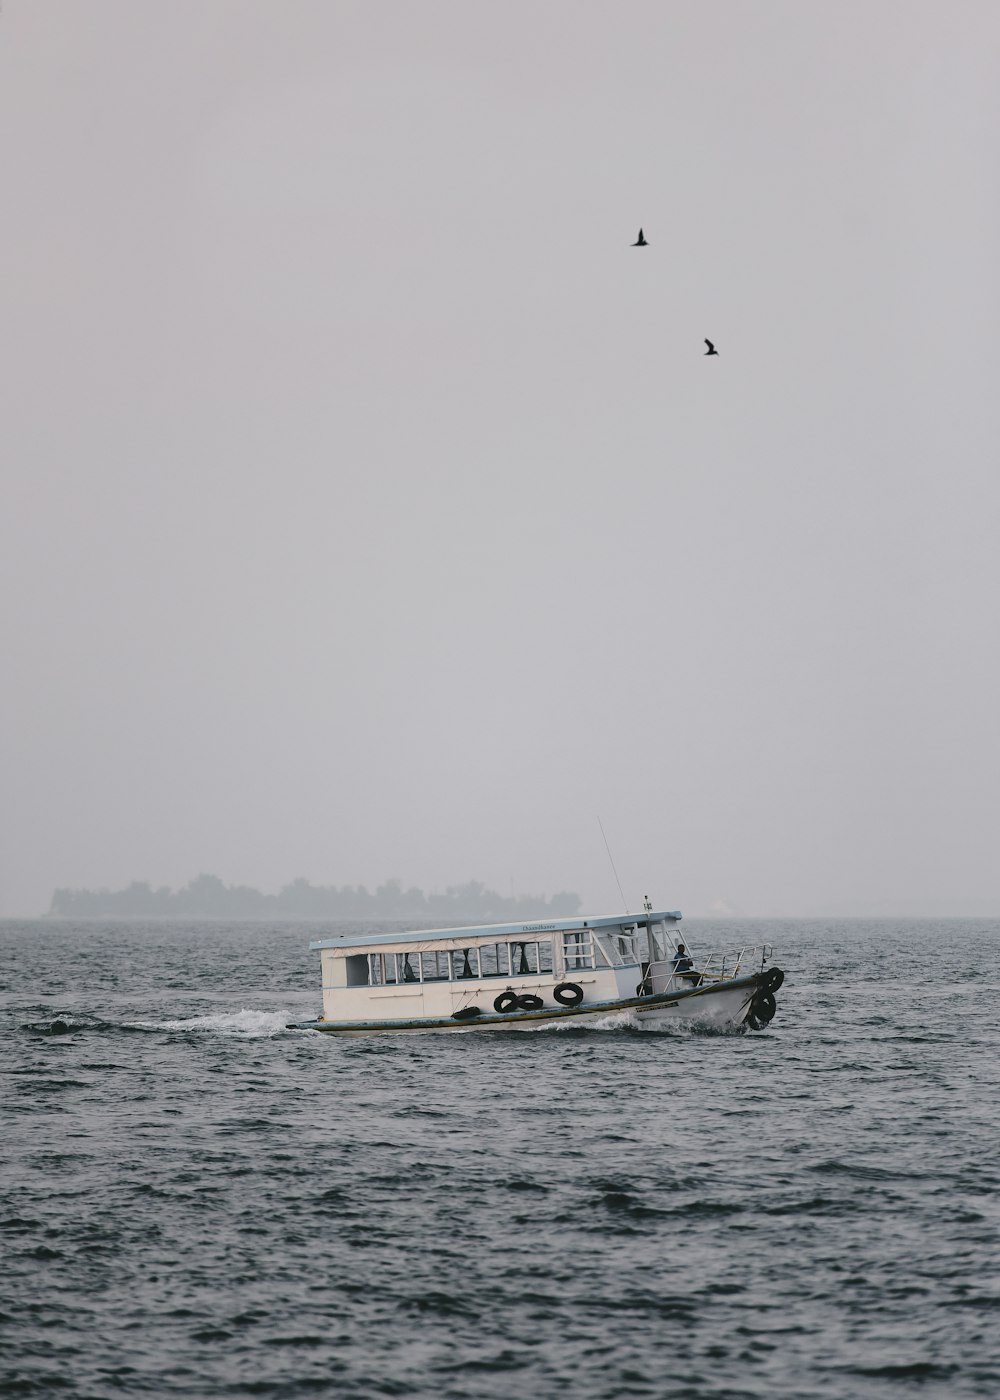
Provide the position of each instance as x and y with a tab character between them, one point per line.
536	928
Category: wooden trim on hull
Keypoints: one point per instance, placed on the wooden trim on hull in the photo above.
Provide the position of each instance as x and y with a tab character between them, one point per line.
661	1001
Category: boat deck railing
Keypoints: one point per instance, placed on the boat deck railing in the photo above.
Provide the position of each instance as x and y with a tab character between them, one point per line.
724	967
712	967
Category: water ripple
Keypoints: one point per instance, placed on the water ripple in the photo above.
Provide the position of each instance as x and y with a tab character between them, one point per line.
198	1201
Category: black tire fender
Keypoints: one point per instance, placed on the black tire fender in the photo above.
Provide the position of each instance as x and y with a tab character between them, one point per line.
568	994
529	1002
771	980
762	1010
506	1001
467	1013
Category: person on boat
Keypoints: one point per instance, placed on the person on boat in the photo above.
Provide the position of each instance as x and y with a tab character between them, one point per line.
683	964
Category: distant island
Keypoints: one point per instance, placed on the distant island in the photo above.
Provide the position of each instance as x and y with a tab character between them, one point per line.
206	897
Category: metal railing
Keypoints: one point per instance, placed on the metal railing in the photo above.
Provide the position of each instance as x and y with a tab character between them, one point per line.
713	967
724	967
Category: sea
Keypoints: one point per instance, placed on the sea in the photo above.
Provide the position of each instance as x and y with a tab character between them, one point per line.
199	1202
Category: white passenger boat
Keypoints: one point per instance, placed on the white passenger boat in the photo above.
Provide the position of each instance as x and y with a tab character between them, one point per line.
525	976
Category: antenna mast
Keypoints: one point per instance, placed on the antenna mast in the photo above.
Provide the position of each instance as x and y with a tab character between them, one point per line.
612	860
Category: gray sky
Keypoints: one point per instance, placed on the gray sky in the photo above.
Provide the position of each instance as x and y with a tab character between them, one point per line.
371	510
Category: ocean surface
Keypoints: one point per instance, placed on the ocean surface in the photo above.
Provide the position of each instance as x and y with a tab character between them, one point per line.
199	1202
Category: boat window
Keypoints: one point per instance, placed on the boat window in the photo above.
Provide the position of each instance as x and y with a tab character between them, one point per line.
357	969
578	950
434	965
608	948
465	962
494	959
629	943
658	943
384	969
625	945
392	968
528	958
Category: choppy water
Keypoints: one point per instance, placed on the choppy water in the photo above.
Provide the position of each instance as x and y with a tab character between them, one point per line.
199	1202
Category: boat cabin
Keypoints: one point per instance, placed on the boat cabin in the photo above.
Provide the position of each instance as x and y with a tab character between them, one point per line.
438	972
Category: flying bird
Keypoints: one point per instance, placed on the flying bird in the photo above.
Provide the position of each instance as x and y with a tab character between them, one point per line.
711	348
640	242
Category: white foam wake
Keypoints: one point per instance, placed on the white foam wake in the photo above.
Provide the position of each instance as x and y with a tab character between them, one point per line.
245	1022
613	1021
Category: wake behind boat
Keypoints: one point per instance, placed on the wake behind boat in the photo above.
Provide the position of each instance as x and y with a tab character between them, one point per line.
523	976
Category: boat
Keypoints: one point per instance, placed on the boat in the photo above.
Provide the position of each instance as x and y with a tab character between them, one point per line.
527	976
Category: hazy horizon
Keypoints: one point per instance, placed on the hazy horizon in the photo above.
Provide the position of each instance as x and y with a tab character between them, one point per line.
886	912
372	511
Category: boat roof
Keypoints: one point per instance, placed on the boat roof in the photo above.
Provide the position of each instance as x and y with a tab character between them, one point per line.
519	930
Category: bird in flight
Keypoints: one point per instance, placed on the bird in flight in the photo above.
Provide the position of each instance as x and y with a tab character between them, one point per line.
711	348
640	242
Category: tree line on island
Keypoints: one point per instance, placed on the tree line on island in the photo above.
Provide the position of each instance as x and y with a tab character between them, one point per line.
207	897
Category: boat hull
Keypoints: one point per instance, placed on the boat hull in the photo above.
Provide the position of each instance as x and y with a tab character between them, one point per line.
716	1005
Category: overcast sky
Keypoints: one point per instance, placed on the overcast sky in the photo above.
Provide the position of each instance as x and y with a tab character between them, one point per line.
371	509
